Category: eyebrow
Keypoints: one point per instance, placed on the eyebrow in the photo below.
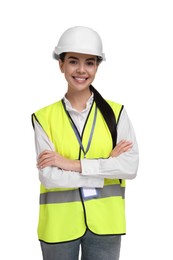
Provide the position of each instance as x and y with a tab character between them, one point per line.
75	58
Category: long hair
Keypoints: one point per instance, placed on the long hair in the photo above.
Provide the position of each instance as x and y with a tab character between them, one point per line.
107	113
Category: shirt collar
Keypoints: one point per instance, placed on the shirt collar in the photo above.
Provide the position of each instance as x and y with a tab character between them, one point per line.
70	108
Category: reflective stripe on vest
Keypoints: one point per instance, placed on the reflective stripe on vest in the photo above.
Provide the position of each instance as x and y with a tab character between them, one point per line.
73	195
63	215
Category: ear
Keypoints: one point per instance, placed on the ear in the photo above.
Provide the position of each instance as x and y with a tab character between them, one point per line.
61	66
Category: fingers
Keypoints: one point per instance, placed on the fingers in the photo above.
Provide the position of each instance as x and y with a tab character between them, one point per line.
121	147
124	145
45	158
46	152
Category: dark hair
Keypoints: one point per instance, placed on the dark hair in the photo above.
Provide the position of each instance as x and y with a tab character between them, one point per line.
107	113
62	56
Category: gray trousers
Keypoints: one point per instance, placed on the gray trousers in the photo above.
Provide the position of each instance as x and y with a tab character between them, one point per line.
93	247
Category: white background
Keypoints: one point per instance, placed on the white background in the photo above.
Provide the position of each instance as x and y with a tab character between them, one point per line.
138	39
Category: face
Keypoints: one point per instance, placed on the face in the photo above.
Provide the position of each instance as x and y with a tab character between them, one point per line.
79	70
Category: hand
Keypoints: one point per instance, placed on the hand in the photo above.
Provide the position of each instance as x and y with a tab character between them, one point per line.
52	158
122	147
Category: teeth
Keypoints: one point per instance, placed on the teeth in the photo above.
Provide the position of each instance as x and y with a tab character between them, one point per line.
80	79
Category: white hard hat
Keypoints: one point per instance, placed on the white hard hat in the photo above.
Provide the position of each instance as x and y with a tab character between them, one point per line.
80	39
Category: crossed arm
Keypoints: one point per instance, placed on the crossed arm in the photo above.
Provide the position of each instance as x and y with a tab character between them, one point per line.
52	158
56	171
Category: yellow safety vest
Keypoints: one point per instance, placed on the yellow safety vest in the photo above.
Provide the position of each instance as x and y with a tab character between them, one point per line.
64	214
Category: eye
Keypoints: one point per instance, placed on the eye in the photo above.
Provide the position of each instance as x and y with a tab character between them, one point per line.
90	63
73	62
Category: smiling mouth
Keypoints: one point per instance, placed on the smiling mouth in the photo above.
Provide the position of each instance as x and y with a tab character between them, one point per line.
80	79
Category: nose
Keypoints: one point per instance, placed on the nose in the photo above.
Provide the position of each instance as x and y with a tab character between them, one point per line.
81	68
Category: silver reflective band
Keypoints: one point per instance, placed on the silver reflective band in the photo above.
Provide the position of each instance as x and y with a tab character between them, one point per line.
60	196
74	195
113	190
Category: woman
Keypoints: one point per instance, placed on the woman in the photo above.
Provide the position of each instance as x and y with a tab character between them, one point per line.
86	148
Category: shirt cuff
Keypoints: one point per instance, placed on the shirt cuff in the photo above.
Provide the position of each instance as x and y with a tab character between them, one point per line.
90	167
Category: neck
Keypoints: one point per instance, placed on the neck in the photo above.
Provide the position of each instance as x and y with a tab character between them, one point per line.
78	100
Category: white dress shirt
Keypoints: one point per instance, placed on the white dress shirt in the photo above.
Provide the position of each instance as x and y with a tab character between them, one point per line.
93	170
